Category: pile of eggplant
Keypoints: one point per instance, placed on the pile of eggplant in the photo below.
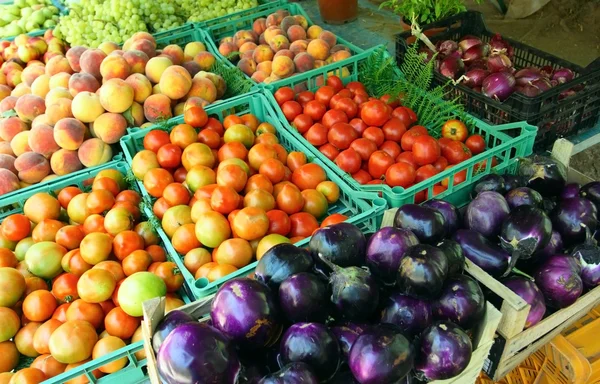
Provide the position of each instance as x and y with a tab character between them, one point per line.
392	308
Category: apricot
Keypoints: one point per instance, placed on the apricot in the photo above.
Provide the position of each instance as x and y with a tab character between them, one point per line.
9	182
265	66
304	62
57	93
31	73
175	53
259	25
41	86
58	64
299	46
20	143
193	48
59	110
8	162
204	88
286	53
319	49
205	60
10	126
144	45
313	32
295	33
328	37
288	22
248	66
137	61
30	106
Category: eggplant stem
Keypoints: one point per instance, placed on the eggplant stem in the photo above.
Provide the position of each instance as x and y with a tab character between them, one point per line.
513	261
521	273
416	31
328	263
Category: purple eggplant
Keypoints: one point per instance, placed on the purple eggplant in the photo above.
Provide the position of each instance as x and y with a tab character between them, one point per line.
570	190
422	272
462	302
527	290
245	311
513	181
482	252
445	352
281	262
347	334
591	191
381	355
304	297
560	284
411	315
486	213
564	261
554	246
197	353
343	244
491	182
313	344
385	250
292	373
455	256
449	211
574	218
588	255
428	224
523	196
525	231
545	175
167	324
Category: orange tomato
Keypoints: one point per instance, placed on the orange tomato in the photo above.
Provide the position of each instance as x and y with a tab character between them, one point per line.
315	203
69	236
258	181
236	252
224	199
220	271
183	135
251	223
39	305
295	160
170	274
232	150
66	194
137	261
232	120
184	239
160	207
64	288
273	169
204	269
308	176
118	323
333	219
16	227
303	224
42	335
279	222
176	194
156	180
196	258
46	230
106	183
157	253
233	176
155	139
7	258
289	199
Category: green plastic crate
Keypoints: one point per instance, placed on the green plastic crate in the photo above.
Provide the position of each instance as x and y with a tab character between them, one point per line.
262	5
228	28
505	142
135	371
362	208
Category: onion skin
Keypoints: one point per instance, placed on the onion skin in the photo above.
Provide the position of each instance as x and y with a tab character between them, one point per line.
563	75
528	291
475	53
462	302
474	77
499	45
498	62
481	64
542	84
498	85
452	67
469	41
527	75
446	47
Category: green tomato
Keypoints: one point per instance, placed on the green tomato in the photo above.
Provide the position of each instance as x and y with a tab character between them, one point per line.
136	289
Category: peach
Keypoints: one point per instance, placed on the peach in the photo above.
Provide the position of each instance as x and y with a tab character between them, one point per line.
59	110
319	63
41	85
108	47
74	55
10	126
8	103
271	32
64	162
193	48
285	52
279	42
296	32
319	49
178	110
82	82
110	127
313	32
31	73
114	67
205	60
3	78
247	55
156	66
329	37
59	80
29	106
262	40
6	149
116	95
13	78
41	140
265	66
242	37
94	152
20	143
142	88
283	67
259	76
20	90
58	64
340	55
192	67
137	61
27	53
217	80
248	66
86	106
288	22
32	167
39	43
301	20
143	36
57	93
175	82
144	45
259	25
8	162
227	48
248	46
204	88
299	46
262	53
158	107
11	65
69	133
156	89
9	182
339	47
276	17
304	62
90	62
4	91
226	39
135	115
195	102
175	52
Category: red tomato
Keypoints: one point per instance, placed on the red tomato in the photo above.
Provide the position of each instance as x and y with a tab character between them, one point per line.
455	130
360	98
364	147
407	157
291	109
440	164
345	93
324	95
426	150
425	172
302	123
482	165
394	129
423	195
392	148
389	100
362	177
358	125
315	110
334	116
375	113
348	106
349	161
316	135
329	151
403	115
305	97
456	152
284	94
341	135
443	142
458	178
409	138
476	144
169	156
400	175
375	135
378	164
335	82
355	86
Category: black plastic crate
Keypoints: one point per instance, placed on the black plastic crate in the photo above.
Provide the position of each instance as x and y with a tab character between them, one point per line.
554	118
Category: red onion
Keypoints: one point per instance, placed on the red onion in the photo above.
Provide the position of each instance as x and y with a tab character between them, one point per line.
452	67
553	83
567	93
475	77
498	85
480	63
446	47
455	54
542	83
499	45
527	75
468	42
475	53
498	62
528	90
547	71
563	75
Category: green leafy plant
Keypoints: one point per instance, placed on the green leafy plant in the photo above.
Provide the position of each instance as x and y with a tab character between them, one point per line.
425	11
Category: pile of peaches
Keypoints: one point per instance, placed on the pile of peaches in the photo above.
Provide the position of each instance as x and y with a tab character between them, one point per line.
282	45
63	110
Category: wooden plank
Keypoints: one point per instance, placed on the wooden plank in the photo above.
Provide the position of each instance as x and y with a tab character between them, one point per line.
388	218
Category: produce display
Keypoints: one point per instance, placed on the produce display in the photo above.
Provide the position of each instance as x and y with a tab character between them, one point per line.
487	68
63	110
280	46
24	16
377	141
329	313
75	267
228	191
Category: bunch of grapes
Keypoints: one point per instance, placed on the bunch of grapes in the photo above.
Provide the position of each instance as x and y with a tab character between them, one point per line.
200	10
92	22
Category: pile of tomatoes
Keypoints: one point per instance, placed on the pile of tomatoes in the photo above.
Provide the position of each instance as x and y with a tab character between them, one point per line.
228	191
375	140
63	262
